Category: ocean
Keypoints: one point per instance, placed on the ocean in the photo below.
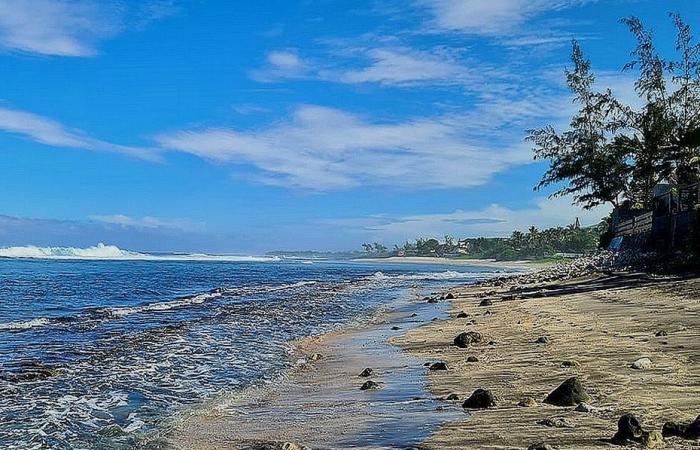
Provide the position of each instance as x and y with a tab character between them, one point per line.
102	353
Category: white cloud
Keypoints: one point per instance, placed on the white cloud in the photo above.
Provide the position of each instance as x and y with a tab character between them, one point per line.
494	220
324	149
148	222
56	27
281	65
50	132
400	66
72	27
489	17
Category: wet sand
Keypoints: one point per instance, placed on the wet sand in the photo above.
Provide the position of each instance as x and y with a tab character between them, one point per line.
601	323
319	403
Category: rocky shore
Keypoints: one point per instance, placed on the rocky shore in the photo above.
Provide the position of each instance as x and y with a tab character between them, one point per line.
571	357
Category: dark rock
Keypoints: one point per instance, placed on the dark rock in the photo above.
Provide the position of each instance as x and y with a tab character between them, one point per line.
472	359
395	328
432	300
542	340
488	313
486	302
449	296
463	340
426	364
690	431
462	315
492	342
452	397
569	363
570	393
414	315
480	399
661	333
369	385
439	366
628	429
366	373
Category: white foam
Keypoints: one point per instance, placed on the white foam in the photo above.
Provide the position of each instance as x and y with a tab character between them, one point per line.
446	275
112	252
24	325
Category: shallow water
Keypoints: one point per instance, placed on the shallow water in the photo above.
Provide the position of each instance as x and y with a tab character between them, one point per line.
98	354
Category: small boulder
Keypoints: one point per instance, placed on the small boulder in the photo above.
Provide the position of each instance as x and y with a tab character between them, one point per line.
628	429
369	385
463	340
570	393
472	359
439	366
432	300
642	364
689	431
486	302
661	333
395	328
480	399
462	315
527	402
449	296
366	373
569	363
542	340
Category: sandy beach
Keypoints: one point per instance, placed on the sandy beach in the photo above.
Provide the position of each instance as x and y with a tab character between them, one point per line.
595	328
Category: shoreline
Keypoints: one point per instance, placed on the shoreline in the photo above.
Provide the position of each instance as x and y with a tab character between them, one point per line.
318	402
596	327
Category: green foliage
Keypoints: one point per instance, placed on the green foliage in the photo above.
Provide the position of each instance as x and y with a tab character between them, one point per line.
615	153
532	244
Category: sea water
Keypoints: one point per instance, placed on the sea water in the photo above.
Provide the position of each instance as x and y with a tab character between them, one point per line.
99	354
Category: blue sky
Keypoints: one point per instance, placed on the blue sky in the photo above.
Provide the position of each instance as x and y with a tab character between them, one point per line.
232	126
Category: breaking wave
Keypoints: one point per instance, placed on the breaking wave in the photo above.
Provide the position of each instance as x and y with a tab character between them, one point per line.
438	276
112	252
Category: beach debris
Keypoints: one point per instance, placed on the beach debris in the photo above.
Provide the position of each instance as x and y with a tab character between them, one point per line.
488	313
369	385
570	393
452	396
661	333
642	364
395	328
558	422
486	302
462	315
449	296
277	446
542	446
527	402
542	340
367	372
439	366
653	439
689	431
569	363
480	399
315	357
492	342
472	359
463	340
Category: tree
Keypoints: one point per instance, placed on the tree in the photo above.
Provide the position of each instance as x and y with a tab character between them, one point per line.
593	170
